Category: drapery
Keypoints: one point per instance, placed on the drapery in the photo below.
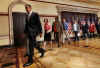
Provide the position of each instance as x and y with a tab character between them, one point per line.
72	16
18	27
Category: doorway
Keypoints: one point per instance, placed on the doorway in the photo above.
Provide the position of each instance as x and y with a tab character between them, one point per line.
18	28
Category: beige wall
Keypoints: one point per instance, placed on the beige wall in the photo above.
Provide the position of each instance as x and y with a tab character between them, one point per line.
41	8
4	25
98	14
4	5
4	30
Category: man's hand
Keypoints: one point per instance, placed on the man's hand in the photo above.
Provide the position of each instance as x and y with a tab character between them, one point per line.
40	34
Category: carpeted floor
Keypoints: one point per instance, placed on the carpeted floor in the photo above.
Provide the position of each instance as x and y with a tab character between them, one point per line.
8	58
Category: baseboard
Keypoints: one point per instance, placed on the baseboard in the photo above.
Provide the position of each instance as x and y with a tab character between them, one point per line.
6	46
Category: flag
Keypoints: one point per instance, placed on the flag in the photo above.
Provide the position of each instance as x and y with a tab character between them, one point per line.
66	26
69	27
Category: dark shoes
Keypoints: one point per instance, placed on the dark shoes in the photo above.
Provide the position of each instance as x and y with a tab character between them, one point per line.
58	45
25	55
30	61
28	64
42	53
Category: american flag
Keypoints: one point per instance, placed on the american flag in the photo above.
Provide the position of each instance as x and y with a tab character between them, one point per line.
69	27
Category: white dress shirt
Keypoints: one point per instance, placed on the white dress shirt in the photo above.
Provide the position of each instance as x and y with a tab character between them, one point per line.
29	15
75	27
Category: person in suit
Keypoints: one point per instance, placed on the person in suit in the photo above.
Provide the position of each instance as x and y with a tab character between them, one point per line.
85	28
97	25
32	29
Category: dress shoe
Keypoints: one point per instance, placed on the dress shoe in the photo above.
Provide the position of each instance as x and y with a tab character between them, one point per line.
28	64
42	53
58	45
25	55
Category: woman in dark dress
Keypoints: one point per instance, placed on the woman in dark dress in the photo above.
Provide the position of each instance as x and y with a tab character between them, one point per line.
47	34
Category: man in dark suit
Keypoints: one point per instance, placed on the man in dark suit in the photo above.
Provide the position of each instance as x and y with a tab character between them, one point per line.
85	32
32	29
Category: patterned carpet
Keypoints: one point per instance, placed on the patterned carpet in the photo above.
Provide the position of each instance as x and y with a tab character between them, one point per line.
8	58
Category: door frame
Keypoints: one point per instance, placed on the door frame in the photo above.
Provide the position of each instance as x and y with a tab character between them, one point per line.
10	18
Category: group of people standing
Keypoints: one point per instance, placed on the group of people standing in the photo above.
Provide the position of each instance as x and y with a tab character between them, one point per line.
72	30
49	29
83	29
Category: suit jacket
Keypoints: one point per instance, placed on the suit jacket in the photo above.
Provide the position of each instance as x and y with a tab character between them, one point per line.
33	24
85	28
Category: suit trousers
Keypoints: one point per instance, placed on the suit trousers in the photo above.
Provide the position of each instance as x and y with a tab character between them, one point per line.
31	45
76	35
85	35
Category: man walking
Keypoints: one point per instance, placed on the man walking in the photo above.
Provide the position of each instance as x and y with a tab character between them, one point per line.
32	29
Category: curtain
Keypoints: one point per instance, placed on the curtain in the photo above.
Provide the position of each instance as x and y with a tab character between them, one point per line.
72	16
18	27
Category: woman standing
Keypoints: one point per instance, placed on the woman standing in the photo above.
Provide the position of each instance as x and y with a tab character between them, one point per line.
92	29
47	34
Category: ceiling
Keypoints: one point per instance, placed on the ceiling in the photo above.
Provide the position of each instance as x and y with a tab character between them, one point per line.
93	2
75	9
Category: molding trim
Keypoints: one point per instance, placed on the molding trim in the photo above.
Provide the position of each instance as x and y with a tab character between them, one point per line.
4	14
47	15
4	35
41	15
7	46
12	4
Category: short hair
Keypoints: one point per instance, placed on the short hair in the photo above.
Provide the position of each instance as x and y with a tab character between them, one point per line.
28	5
